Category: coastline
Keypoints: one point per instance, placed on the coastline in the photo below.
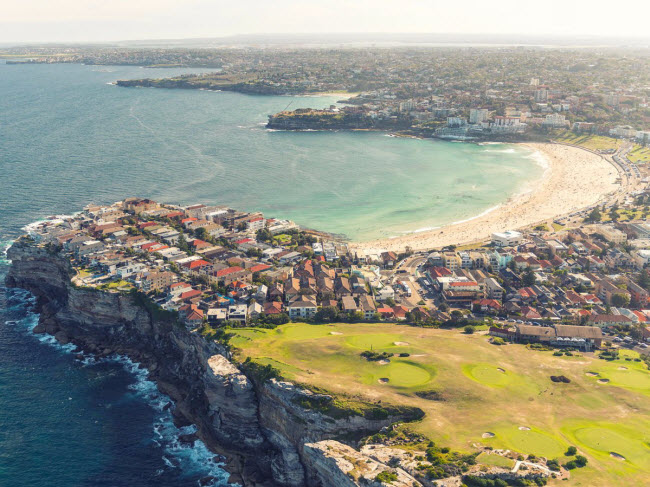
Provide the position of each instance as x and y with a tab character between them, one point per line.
574	179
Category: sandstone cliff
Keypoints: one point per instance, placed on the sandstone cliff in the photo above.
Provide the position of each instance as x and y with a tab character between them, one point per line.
262	427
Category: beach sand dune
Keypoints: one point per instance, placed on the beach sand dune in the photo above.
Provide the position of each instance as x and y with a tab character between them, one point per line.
574	179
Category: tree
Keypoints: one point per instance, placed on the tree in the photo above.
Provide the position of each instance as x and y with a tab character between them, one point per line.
529	278
572	450
644	279
182	243
595	215
469	329
326	313
620	300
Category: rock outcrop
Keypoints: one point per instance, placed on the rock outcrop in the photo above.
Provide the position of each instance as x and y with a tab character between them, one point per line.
262	427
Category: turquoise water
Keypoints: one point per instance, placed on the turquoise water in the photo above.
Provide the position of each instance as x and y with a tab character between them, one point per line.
67	138
64	127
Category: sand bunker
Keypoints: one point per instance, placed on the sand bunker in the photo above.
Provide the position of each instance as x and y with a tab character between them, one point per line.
592	374
335	333
383	362
419	355
524	428
617	456
622	368
603	381
401	344
383	380
488	435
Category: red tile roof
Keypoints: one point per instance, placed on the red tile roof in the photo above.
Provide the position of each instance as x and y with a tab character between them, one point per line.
195	264
260	268
190	294
229	270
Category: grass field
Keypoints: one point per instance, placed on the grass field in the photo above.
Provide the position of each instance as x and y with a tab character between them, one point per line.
588	141
468	387
639	154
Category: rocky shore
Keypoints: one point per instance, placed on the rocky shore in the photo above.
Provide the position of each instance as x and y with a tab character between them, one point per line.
263	428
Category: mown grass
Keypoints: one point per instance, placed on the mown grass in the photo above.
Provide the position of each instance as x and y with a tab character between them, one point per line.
455	379
639	154
588	141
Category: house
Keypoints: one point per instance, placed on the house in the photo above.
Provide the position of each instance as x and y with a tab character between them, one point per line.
155	281
217	315
487	305
238	312
385	293
367	306
603	321
399	312
389	259
272	308
493	290
191	314
342	287
254	310
386	313
605	290
348	304
230	275
302	309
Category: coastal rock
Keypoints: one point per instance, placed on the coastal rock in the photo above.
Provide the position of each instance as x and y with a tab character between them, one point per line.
332	464
261	428
62	338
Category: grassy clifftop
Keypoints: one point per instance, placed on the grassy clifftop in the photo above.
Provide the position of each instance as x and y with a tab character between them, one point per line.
471	389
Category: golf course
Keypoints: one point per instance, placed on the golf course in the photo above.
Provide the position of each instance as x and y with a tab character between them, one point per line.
476	393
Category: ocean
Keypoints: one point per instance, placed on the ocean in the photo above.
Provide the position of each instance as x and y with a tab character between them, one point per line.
68	137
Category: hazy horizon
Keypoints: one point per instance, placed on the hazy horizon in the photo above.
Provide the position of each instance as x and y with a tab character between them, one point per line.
74	21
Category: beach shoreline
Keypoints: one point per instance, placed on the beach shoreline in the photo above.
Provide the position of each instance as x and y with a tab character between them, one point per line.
573	179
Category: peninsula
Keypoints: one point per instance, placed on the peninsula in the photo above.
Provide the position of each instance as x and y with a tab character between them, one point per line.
306	364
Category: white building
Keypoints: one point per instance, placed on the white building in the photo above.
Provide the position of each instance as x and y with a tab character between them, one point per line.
507	239
478	115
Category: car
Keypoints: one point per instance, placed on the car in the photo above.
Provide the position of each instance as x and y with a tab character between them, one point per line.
643	345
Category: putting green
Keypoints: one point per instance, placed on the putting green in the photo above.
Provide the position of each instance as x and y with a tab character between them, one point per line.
630	378
606	439
402	374
531	441
487	374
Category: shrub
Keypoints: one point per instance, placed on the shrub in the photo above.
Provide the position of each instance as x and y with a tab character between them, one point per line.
581	461
553	465
469	329
386	476
498	341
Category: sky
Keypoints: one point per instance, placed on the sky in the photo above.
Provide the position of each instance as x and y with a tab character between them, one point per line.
112	20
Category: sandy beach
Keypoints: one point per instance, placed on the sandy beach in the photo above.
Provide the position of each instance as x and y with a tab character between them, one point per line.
574	179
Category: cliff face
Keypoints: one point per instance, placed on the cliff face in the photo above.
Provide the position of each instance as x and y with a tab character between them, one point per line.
260	427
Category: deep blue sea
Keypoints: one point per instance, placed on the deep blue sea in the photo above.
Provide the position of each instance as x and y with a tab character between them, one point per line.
68	137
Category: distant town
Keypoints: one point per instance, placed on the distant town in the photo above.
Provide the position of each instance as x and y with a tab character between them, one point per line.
509	93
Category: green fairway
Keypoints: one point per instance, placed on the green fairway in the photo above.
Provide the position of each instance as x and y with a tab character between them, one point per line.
496	460
469	387
532	440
